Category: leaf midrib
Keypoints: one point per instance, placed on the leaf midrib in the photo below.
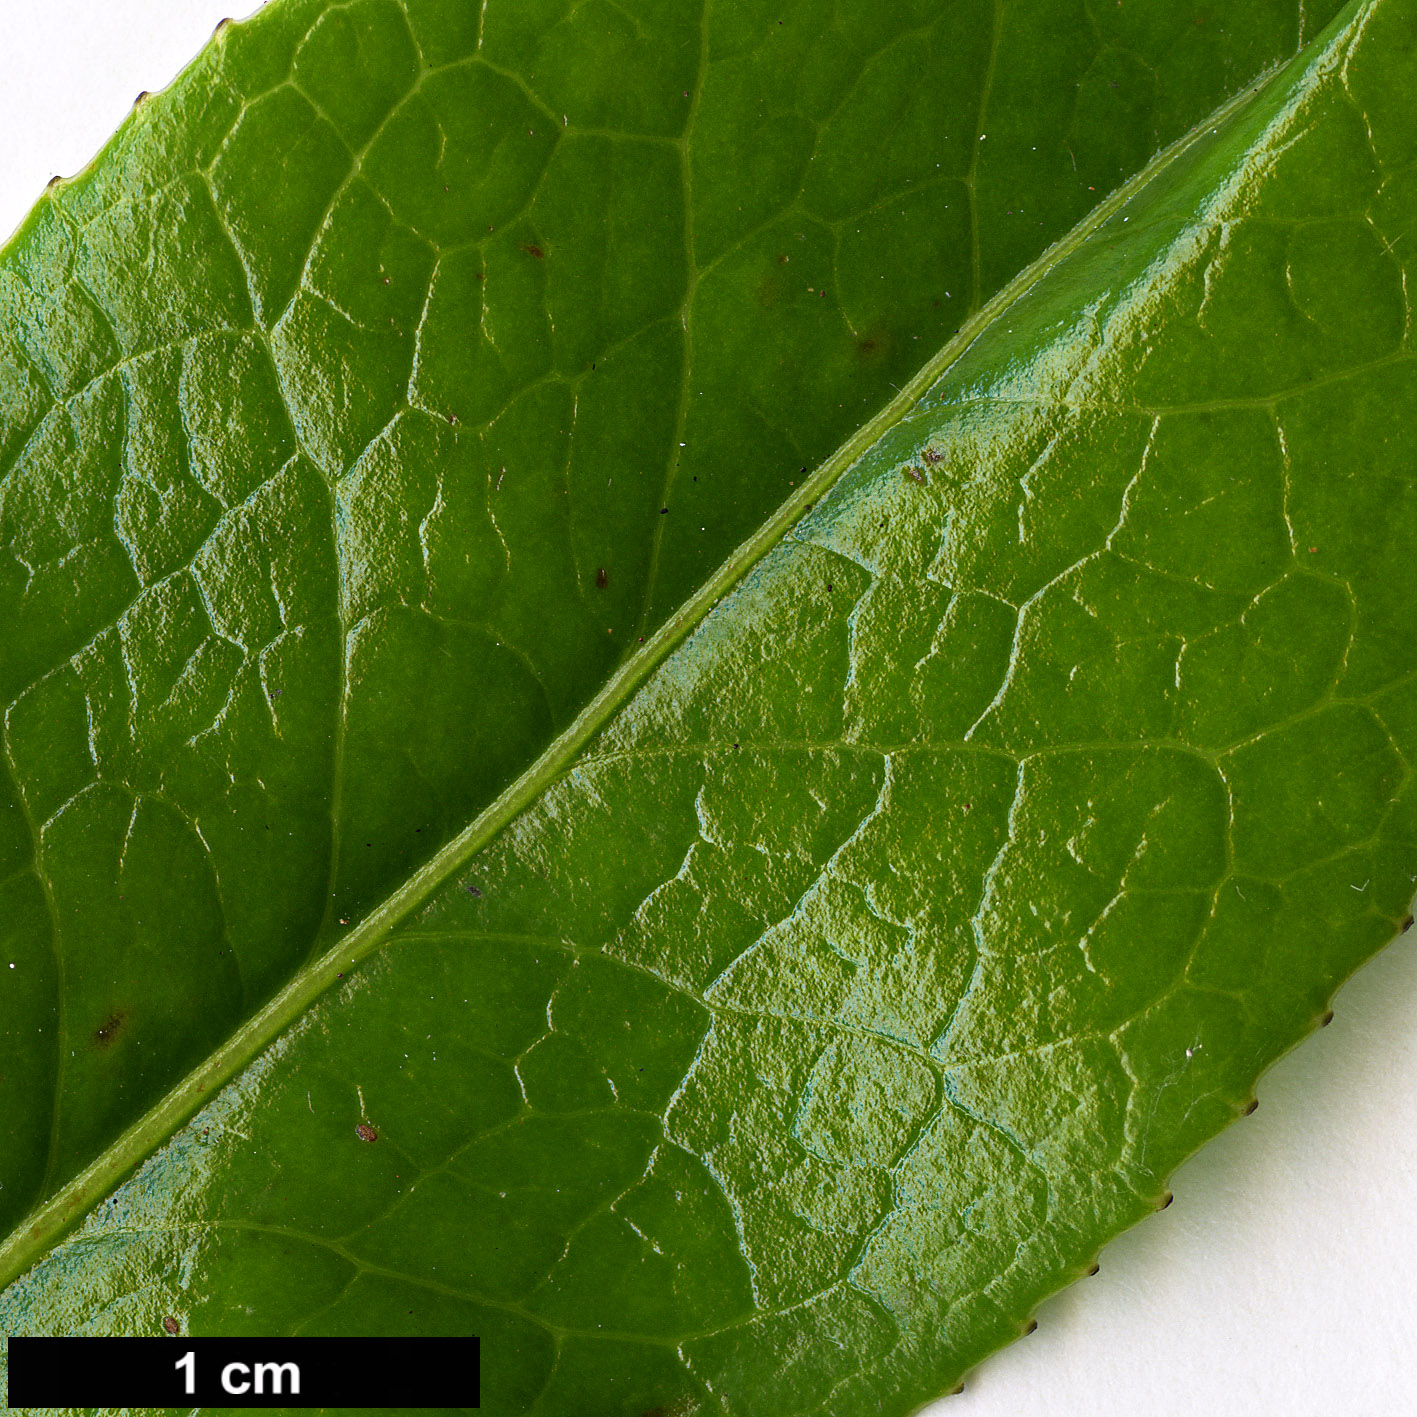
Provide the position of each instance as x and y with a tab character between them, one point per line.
48	1223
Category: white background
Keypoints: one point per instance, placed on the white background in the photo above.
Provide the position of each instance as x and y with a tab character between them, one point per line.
1283	1281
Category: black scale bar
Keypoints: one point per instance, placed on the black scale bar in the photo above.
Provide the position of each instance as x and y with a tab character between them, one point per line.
244	1372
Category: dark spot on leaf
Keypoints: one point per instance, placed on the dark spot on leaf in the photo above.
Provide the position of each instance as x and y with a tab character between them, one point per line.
874	344
1031	1328
474	892
933	456
664	511
365	1132
109	1029
1166	1201
1254	1103
1326	1019
1094	1269
171	1325
534	251
1406	924
915	475
601	579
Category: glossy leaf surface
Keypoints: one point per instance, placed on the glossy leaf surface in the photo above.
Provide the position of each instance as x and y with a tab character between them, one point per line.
878	958
400	368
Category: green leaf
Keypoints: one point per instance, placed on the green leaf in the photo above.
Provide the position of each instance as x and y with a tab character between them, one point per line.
303	558
838	978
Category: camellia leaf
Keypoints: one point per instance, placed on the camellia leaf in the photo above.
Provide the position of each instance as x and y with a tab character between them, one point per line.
389	378
818	991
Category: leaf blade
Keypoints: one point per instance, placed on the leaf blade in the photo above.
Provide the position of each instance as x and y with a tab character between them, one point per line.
371	933
840	539
230	616
871	1087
